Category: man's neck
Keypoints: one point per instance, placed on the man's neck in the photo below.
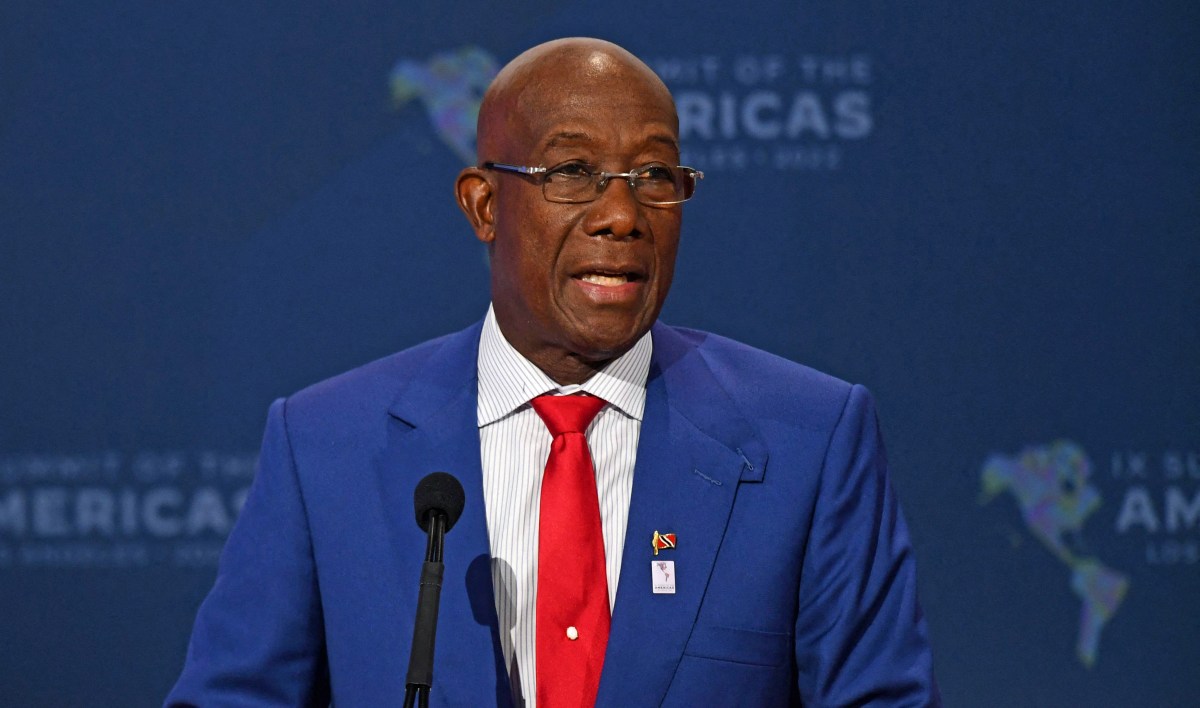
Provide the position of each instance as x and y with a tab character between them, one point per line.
563	366
567	368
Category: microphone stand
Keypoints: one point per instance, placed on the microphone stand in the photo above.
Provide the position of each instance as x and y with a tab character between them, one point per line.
420	661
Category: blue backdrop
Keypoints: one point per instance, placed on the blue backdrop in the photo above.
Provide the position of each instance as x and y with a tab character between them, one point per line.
986	212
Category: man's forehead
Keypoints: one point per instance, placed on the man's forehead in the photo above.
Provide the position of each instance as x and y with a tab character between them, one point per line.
574	91
597	112
563	91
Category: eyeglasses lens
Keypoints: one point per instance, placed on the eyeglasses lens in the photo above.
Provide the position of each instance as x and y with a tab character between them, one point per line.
653	185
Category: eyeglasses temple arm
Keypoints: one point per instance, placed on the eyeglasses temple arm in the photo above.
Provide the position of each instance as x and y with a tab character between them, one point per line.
513	168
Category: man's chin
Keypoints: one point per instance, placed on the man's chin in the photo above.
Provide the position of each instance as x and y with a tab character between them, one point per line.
601	342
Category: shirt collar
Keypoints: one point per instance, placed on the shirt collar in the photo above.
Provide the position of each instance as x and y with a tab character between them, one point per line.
508	381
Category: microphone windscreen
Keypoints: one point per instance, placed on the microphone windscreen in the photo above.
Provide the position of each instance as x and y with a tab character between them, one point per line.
441	491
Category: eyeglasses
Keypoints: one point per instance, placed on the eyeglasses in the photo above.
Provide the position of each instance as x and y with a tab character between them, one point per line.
577	182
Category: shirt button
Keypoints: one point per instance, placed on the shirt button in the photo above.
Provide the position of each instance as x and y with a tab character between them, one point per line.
572	633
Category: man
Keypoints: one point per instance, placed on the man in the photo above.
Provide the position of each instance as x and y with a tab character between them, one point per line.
741	529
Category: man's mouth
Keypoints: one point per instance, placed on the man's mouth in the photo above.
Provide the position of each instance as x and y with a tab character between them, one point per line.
610	277
606	279
611	285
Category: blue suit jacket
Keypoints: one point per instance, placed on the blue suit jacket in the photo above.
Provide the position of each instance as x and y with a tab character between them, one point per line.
795	579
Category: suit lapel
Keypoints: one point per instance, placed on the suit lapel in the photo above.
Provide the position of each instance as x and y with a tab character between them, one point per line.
434	427
693	450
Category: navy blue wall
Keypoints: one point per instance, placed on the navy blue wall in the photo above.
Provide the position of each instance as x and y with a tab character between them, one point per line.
986	212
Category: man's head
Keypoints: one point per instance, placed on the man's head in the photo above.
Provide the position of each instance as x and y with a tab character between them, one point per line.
574	285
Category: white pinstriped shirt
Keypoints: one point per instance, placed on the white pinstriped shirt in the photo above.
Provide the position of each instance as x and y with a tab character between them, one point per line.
515	445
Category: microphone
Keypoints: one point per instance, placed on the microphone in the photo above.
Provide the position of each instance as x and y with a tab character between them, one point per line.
438	492
438	502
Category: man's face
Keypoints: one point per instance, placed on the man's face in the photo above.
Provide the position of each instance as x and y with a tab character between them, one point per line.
585	280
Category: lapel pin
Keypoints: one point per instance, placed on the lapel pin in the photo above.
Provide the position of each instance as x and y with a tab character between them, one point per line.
662	541
662	577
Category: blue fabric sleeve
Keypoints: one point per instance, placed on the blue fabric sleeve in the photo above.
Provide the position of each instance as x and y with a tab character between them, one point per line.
258	638
861	638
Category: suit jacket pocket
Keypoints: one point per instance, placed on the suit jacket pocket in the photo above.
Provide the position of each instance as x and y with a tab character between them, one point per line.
745	646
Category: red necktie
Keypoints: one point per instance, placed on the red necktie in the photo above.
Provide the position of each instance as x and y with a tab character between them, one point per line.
572	585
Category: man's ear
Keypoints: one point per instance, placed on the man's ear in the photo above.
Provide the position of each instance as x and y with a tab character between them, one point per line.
475	196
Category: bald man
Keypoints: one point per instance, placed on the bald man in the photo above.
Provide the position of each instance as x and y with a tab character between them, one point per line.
718	529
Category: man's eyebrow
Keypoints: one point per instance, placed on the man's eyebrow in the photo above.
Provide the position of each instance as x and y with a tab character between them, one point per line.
668	140
568	137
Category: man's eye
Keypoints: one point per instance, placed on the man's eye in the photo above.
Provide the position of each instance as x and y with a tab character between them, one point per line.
571	170
656	173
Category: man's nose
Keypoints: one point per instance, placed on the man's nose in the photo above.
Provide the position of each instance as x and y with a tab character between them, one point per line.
616	211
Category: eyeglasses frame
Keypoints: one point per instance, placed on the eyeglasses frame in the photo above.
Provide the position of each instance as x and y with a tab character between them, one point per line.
539	175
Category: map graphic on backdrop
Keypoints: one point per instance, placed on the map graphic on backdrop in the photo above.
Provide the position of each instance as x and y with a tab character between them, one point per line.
1058	489
451	86
1051	486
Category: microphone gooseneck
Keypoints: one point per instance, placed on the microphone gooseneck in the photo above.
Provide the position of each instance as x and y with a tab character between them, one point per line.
438	502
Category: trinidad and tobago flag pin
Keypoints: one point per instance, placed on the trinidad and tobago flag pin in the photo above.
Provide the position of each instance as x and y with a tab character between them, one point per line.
663	541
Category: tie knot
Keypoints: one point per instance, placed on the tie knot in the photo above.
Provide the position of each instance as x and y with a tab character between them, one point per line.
567	414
